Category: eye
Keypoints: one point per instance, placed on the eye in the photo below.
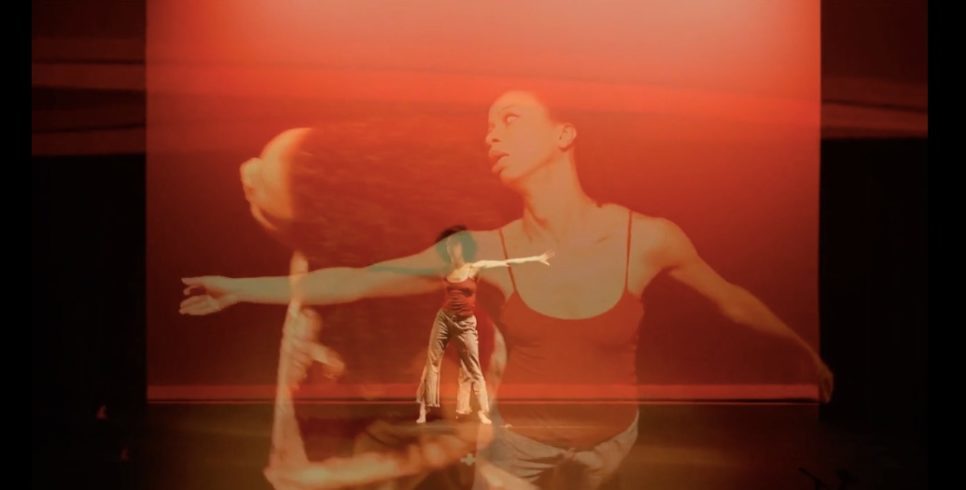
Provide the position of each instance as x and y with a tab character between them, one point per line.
509	118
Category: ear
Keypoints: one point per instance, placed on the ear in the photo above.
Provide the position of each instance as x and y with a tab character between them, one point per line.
566	136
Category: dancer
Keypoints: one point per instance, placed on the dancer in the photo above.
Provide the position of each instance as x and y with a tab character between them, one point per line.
456	319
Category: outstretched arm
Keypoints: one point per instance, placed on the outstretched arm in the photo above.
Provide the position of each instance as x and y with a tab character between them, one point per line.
415	274
679	258
543	258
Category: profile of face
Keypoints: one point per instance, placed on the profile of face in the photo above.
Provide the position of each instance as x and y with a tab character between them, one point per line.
522	137
265	180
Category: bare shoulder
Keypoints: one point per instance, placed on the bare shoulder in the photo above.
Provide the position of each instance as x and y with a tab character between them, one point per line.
644	228
655	234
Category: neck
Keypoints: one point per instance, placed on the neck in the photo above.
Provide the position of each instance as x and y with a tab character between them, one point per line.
556	207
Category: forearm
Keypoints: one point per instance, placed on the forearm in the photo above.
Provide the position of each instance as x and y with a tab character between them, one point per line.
264	290
333	285
415	274
747	310
319	287
524	260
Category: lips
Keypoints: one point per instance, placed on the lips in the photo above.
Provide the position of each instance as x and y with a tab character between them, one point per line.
496	155
495	158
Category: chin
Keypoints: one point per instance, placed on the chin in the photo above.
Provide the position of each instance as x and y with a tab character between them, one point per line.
508	175
514	178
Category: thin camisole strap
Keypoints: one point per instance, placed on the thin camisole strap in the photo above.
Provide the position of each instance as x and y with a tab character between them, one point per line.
627	260
506	256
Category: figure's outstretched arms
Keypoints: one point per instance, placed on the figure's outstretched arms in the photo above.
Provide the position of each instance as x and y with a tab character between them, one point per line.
679	258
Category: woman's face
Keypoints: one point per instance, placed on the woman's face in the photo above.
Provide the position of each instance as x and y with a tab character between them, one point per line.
266	183
521	136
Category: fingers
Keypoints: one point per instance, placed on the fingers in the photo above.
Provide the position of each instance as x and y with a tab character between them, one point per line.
198	305
203	305
298	371
304	353
193	301
332	363
302	324
323	354
192	281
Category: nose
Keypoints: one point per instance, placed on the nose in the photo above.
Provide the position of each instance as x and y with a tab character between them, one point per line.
247	172
491	137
